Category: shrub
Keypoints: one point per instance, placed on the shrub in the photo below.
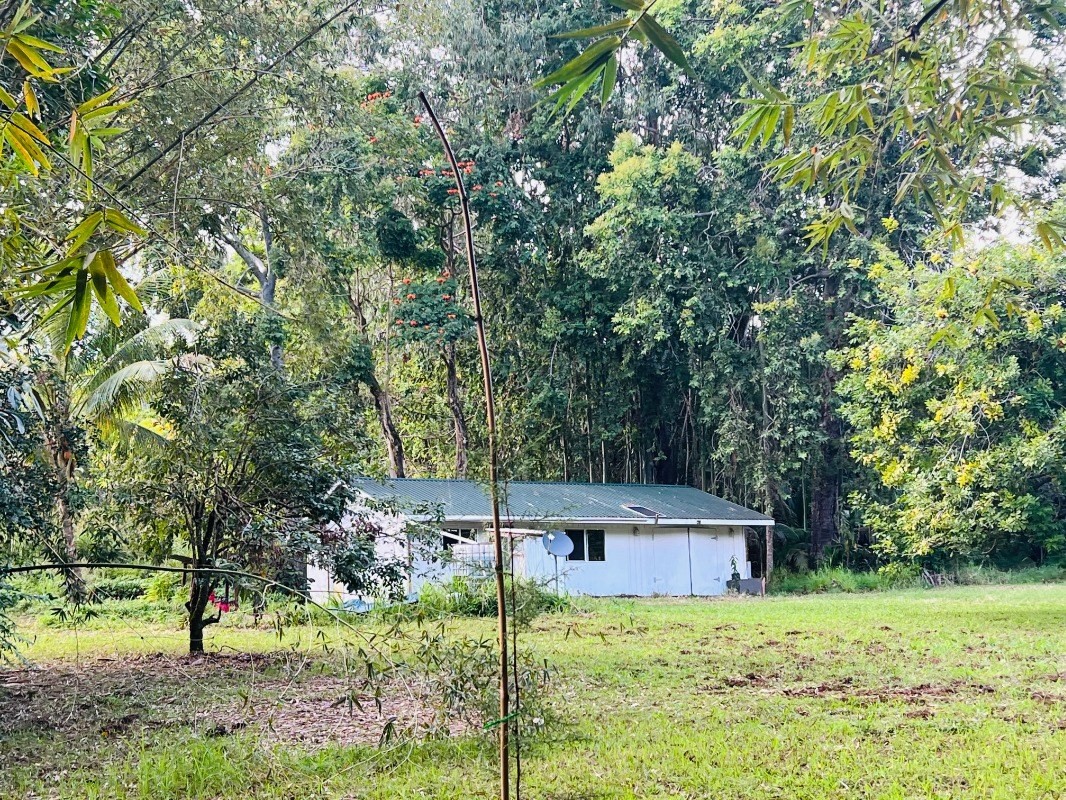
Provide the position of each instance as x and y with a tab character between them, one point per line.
837	579
120	588
162	587
476	597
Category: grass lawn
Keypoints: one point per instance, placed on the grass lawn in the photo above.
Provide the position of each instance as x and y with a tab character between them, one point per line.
956	692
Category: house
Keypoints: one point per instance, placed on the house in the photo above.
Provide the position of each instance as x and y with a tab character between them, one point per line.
628	539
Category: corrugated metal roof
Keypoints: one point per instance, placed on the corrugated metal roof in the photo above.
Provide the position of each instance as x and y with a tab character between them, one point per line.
527	500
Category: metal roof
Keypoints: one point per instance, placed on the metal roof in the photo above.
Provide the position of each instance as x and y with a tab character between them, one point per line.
560	502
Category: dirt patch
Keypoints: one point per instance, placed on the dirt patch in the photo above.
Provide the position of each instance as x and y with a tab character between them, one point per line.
846	690
281	696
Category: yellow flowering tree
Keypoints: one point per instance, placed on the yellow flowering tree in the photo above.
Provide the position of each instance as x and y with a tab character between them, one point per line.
956	399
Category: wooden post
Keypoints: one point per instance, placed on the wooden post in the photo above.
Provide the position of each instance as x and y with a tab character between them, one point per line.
769	552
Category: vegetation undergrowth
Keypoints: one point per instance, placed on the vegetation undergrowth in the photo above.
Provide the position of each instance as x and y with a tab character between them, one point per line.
842	579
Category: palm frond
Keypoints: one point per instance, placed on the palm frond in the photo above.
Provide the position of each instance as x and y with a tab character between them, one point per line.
119	392
143	346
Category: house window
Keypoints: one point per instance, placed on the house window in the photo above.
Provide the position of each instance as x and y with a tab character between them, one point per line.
452	536
596	549
589	545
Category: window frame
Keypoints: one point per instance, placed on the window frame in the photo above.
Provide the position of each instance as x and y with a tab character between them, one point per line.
582	551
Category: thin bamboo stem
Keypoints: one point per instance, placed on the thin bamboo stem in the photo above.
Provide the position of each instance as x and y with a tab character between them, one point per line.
504	723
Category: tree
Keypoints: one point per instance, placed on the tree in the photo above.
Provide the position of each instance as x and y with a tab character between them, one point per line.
98	389
958	411
243	479
932	101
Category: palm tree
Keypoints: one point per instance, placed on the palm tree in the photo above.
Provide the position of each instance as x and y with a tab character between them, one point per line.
103	386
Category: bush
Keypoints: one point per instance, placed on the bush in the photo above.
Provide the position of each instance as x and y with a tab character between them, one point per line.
162	587
838	579
476	597
124	587
899	575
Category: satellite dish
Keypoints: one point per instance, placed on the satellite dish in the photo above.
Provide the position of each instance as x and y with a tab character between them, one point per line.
559	544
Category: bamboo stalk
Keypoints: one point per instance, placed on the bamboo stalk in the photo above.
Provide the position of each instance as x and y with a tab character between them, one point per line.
503	725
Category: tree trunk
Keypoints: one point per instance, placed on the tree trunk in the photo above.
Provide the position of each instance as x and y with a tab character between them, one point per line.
61	456
825	487
455	405
393	441
199	594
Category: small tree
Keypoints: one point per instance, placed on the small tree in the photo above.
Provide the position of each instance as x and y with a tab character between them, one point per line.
243	481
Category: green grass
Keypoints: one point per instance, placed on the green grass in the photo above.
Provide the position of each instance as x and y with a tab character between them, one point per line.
954	692
840	579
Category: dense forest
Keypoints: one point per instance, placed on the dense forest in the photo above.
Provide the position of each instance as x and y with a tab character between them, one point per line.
233	271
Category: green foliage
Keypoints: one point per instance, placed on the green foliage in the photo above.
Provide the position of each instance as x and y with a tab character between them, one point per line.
162	587
476	597
123	587
959	414
430	311
67	249
599	61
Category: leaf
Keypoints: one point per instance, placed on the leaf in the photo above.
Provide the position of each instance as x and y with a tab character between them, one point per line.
33	108
102	289
7	99
95	102
104	111
37	44
789	121
26	125
1049	235
114	277
85	229
665	43
31	61
27	148
627	5
597	30
948	290
986	314
79	311
610	77
582	64
121	223
581	87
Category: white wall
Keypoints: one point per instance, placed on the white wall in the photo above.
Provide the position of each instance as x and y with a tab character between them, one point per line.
641	560
648	560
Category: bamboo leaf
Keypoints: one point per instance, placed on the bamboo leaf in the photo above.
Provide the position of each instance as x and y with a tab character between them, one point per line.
582	64
114	277
102	289
95	102
79	311
948	291
610	77
26	125
119	222
85	229
37	44
33	108
664	42
30	60
27	149
597	30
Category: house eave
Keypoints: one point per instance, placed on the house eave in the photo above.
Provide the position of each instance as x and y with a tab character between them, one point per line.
660	521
